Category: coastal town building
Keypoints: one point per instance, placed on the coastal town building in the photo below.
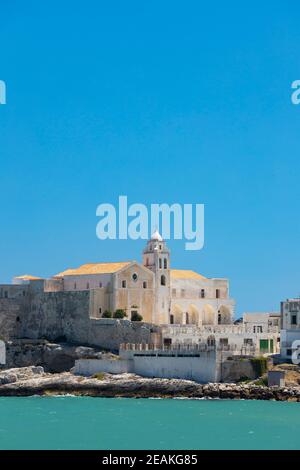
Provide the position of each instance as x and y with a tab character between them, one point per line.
152	289
242	339
176	309
260	322
201	363
290	329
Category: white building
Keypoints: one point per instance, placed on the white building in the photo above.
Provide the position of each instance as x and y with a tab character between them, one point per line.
290	324
260	322
239	339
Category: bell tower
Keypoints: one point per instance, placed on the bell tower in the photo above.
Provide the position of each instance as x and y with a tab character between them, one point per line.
156	257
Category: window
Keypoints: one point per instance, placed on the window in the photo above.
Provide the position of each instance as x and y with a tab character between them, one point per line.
75	286
257	329
123	284
145	284
5	294
187	319
165	263
217	293
87	285
163	280
202	293
288	352
100	310
172	319
134	277
224	341
248	341
294	319
160	263
100	284
160	247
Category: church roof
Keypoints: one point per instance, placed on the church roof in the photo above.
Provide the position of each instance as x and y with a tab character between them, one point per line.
186	274
94	268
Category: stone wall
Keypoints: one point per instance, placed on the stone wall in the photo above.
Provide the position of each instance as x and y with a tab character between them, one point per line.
65	316
90	367
237	368
204	368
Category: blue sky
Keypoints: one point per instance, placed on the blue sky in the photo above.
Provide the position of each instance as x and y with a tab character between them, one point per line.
169	101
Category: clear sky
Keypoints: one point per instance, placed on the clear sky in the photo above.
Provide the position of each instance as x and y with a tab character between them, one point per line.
162	101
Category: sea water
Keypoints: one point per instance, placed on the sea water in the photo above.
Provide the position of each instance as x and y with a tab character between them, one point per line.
120	423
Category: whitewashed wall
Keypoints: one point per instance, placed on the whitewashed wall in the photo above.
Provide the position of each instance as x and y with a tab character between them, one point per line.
112	366
201	369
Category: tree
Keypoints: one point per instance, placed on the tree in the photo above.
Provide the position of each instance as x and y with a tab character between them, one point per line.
136	317
120	313
107	314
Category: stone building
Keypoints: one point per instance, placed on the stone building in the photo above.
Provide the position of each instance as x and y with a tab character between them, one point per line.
160	294
177	307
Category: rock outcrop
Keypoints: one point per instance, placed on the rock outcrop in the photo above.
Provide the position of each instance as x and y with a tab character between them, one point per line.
20	374
53	357
34	381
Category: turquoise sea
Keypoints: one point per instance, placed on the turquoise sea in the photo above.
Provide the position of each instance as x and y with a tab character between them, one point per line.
119	423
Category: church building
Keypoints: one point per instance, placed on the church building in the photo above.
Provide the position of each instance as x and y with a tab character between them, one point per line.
152	289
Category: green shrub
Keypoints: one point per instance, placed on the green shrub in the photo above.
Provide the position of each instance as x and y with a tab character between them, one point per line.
244	379
136	317
262	381
260	365
120	313
99	376
107	314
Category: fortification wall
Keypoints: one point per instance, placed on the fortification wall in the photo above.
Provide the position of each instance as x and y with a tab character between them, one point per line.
65	316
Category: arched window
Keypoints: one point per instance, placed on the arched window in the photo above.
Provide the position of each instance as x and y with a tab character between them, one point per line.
165	263
163	280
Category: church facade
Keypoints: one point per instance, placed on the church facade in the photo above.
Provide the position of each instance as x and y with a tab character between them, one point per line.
160	294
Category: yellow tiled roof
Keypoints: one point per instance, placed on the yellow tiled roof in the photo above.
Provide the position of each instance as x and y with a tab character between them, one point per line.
27	277
94	268
185	274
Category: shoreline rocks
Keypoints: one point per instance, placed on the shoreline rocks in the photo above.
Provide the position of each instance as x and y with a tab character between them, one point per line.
53	357
30	381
